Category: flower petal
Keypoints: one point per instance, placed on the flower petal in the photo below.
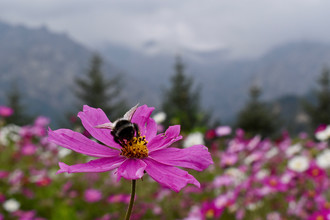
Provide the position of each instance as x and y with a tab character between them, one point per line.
142	118
161	141
79	143
151	129
168	176
196	157
142	111
98	165
92	117
131	169
147	126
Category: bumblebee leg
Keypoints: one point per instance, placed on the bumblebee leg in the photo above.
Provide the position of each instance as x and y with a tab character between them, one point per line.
136	128
115	138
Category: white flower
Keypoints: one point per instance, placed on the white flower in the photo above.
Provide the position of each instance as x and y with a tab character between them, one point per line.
261	174
298	163
11	205
194	213
287	177
221	201
274	216
159	117
9	132
46	155
272	152
293	150
237	175
324	134
252	158
254	206
63	152
52	174
323	159
193	139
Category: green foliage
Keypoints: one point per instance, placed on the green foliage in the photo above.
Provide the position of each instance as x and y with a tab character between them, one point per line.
256	118
97	91
292	114
319	112
181	102
14	101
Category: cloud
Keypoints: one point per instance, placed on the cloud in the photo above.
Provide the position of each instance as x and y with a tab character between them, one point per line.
247	28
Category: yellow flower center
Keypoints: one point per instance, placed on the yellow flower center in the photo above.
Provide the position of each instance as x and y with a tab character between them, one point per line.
135	148
273	182
311	193
315	172
209	213
327	205
320	217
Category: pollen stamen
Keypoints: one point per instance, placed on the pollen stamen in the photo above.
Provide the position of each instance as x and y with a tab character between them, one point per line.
135	148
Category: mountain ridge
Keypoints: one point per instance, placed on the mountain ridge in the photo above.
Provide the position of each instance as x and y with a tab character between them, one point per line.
45	65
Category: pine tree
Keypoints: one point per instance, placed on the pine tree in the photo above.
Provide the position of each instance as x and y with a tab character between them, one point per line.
319	112
14	101
181	102
97	91
256	118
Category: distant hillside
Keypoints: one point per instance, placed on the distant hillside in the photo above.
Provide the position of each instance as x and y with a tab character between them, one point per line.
290	69
44	64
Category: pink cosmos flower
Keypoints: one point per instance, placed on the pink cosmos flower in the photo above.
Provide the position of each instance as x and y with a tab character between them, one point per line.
92	195
25	215
124	198
320	128
44	181
29	149
210	134
6	111
228	159
41	121
210	211
320	215
274	216
3	174
150	153
275	183
223	131
316	172
224	180
2	198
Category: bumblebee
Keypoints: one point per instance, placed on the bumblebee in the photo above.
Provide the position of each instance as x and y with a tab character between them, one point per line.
123	130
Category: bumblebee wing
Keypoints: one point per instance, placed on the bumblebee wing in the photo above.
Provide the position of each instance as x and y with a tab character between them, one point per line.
106	125
128	115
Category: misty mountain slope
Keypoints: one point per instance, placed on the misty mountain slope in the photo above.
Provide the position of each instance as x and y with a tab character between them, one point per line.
146	75
43	64
292	68
289	69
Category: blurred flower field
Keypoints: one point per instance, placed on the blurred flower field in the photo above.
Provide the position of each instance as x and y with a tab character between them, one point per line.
251	178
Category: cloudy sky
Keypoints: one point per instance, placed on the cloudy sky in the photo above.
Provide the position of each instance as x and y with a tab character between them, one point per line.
246	28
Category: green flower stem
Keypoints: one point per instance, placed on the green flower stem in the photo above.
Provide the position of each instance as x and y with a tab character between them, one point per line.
131	202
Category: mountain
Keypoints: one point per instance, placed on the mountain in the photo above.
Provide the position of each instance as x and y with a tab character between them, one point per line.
289	69
44	65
